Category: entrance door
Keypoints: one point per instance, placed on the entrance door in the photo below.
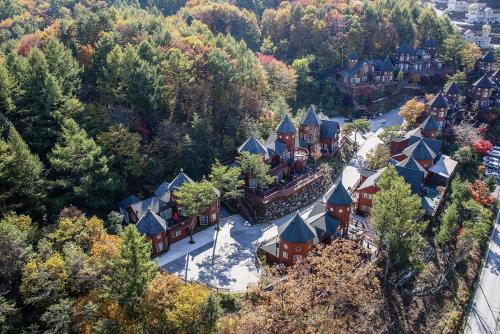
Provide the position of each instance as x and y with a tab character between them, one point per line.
159	246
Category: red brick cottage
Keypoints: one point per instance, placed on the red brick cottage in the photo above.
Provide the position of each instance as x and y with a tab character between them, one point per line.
297	237
162	220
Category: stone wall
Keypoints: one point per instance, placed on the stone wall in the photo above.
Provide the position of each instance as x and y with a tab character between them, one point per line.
303	197
307	195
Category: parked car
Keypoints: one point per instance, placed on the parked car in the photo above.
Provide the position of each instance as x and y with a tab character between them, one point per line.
494	174
493	165
494	154
349	120
491	159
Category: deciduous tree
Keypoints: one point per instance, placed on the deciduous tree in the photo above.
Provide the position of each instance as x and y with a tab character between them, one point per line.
253	166
410	111
395	215
378	157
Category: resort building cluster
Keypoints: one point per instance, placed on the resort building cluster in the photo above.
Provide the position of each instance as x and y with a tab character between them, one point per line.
291	153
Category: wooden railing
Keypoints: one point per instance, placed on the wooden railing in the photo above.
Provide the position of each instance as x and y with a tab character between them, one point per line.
264	197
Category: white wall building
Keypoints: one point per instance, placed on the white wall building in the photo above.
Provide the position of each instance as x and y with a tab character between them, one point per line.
462	6
477	16
458	6
482	40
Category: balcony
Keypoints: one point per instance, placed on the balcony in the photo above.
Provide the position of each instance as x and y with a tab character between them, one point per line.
285	187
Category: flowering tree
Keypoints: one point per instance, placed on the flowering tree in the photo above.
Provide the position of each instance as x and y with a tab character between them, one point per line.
483	146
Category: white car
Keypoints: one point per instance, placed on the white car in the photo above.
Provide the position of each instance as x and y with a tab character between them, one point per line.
491	159
494	153
492	165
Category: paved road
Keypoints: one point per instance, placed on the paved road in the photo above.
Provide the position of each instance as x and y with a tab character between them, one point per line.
226	258
485	314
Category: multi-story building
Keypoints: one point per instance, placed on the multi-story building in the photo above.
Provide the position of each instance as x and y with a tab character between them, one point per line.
161	219
487	63
420	61
418	159
365	76
482	39
438	107
482	91
297	237
477	15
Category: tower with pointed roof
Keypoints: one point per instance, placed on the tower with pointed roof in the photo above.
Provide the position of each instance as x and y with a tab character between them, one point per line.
452	92
352	60
438	107
338	205
296	239
429	127
487	62
286	132
482	90
309	131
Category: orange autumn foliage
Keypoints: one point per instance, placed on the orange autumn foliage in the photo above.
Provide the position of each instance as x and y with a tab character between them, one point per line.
480	193
103	309
37	39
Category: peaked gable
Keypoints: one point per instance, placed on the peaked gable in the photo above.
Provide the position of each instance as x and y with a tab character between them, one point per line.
489	57
452	89
310	118
438	101
429	124
286	125
254	146
419	151
151	224
483	82
329	129
296	230
340	196
179	180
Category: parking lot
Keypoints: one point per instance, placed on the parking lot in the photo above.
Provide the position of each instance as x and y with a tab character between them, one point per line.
492	163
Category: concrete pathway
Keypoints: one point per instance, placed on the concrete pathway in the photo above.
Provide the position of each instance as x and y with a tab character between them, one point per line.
226	259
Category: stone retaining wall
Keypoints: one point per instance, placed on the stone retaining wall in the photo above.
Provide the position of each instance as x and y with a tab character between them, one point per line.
303	197
307	195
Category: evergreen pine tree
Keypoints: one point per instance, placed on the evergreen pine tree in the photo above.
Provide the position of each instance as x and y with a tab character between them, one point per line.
6	85
21	176
211	312
130	273
63	66
79	171
38	106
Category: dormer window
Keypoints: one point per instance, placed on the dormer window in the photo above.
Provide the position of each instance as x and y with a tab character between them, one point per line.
340	210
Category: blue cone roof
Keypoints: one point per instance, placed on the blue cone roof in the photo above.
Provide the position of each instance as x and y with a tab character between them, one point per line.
340	196
429	124
310	117
254	146
286	125
296	230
